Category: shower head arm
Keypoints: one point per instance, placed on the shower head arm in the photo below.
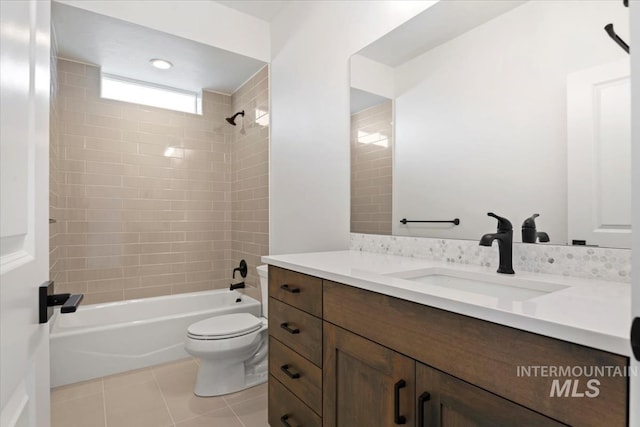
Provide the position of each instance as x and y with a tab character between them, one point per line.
232	120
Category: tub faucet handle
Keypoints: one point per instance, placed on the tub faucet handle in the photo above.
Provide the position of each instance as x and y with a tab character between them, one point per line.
242	269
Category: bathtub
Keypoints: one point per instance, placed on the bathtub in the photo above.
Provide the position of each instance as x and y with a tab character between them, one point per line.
105	339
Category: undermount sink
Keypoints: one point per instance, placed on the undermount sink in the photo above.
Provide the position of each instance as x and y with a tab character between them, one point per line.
500	286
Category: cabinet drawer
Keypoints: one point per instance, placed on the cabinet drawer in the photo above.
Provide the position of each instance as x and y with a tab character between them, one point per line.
298	330
299	375
490	356
287	410
296	289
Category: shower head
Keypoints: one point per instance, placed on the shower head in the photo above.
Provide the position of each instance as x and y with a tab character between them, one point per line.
232	119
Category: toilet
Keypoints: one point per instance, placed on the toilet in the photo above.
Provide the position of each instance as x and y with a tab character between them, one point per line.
232	349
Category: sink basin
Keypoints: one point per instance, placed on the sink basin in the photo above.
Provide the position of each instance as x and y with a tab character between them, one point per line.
499	286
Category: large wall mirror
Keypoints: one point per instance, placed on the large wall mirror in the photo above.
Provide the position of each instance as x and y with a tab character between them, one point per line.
512	107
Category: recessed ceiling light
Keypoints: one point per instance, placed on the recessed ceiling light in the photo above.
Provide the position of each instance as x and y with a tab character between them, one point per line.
161	64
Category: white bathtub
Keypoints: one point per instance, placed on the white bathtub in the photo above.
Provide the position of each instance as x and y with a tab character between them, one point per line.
104	339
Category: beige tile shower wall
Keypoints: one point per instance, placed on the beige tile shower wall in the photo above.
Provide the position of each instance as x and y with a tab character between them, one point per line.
56	225
145	193
250	175
371	167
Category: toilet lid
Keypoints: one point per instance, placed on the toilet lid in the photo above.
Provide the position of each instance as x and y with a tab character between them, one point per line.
226	326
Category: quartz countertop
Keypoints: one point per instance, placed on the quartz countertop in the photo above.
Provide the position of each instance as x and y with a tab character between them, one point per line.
593	313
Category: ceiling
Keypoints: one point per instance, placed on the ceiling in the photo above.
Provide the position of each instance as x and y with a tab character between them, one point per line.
440	23
124	49
361	100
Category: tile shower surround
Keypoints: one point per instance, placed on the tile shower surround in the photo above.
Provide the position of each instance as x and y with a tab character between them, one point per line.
144	197
575	261
371	166
250	174
55	198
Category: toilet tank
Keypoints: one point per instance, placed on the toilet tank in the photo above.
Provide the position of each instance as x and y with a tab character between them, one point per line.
264	288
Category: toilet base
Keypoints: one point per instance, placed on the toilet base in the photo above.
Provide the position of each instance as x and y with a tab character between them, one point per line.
217	379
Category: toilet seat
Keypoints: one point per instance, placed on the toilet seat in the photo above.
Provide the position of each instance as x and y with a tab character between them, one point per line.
223	327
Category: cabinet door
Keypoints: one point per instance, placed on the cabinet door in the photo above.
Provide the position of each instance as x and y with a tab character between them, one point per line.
443	400
364	383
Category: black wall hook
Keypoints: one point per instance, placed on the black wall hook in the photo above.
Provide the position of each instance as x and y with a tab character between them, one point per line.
616	38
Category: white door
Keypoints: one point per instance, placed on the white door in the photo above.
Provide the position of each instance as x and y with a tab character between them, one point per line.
599	155
634	6
24	247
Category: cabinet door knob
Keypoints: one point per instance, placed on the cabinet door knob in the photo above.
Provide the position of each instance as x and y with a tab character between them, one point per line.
292	375
397	418
424	398
286	327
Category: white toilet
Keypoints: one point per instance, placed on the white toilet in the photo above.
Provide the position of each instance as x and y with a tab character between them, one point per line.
232	349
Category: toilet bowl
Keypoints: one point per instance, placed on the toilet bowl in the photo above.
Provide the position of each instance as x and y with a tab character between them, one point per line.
232	349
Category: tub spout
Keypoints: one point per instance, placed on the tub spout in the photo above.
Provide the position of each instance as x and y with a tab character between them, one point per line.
236	286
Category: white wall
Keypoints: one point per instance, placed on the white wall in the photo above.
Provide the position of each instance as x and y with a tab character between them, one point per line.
372	76
635	187
206	22
481	120
309	161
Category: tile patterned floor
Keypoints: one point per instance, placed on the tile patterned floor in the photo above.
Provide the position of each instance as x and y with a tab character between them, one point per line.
158	396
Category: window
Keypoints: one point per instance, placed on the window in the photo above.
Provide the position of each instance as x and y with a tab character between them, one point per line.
127	90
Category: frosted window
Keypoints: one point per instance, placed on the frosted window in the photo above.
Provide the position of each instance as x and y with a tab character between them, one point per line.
126	90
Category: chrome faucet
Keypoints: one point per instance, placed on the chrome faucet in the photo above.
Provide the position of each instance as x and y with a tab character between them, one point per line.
504	236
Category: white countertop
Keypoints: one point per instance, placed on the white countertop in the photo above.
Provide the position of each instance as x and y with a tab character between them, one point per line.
593	313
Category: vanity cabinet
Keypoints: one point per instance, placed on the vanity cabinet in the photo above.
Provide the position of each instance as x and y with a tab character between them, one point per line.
295	349
384	361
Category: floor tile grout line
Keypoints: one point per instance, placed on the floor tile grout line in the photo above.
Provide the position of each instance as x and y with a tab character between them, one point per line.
104	401
237	417
74	398
247	398
164	400
207	413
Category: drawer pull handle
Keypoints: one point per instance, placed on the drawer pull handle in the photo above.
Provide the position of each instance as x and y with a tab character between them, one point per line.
397	418
285	420
288	289
292	375
424	398
286	327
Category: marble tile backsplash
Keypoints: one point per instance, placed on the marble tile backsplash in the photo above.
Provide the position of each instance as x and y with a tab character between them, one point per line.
575	261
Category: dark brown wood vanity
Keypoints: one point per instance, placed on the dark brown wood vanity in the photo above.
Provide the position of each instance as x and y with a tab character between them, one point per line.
343	356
